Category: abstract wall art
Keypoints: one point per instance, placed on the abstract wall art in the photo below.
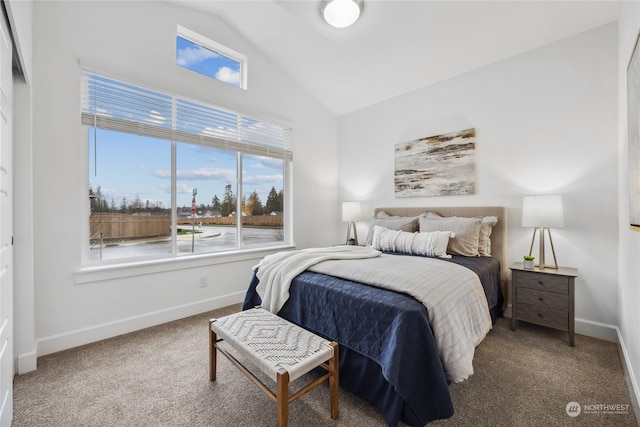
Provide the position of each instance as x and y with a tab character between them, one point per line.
438	165
633	123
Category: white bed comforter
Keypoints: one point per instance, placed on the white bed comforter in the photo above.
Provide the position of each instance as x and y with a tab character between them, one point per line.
456	303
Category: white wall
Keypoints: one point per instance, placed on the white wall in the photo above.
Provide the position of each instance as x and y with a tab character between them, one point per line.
136	40
546	122
629	241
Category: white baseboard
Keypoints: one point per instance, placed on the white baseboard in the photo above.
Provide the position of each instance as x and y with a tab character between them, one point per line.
630	378
27	362
84	336
597	330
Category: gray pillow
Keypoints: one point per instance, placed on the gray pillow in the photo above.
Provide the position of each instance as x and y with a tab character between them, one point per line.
484	239
409	224
467	232
484	243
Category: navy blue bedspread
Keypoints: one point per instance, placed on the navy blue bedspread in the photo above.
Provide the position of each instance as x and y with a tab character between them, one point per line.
388	355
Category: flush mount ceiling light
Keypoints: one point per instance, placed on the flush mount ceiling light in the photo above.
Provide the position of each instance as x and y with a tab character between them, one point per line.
341	13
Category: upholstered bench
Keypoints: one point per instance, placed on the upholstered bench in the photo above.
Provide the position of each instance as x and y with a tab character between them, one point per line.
280	349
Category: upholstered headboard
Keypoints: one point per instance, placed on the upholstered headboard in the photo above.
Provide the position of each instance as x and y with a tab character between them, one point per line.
498	235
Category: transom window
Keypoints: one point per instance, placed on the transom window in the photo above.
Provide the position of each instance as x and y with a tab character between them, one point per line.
197	53
170	176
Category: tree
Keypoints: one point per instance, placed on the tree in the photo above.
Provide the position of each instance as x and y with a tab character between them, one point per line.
216	203
136	206
228	202
97	201
281	201
254	201
92	200
273	202
123	205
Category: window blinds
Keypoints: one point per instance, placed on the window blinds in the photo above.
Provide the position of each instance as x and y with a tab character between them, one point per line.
114	105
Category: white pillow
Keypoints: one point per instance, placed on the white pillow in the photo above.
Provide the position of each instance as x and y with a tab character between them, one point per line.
432	244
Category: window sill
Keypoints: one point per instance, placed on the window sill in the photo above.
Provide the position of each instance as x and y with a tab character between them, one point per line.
90	274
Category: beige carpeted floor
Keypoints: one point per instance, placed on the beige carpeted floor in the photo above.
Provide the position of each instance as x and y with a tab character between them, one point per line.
159	377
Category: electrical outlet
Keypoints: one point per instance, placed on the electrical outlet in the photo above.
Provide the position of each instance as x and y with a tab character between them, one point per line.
204	281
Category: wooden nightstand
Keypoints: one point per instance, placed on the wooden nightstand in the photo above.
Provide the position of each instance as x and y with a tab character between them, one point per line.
545	297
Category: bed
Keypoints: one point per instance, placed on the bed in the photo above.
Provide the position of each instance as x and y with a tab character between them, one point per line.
390	356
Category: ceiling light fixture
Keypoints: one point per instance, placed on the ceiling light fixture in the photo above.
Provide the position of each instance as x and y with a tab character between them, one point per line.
341	13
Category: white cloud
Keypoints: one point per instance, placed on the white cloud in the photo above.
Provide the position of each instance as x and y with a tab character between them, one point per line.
201	173
275	180
162	173
190	56
227	75
207	173
267	162
183	188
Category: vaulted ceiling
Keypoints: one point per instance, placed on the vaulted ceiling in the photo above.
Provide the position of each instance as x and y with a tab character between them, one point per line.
400	46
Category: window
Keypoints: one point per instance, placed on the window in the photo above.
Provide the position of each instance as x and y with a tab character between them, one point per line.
197	53
172	177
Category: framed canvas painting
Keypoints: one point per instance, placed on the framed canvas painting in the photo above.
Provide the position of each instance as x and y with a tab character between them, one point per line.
437	165
633	123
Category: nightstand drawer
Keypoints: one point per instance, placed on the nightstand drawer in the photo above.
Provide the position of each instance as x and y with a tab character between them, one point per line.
558	319
543	299
543	282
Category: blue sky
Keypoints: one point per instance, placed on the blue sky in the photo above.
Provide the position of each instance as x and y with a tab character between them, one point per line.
145	170
196	58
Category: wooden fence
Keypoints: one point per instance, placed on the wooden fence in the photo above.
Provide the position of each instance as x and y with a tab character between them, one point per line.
121	226
256	221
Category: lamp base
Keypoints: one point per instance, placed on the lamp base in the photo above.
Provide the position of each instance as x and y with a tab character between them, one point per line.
541	260
352	241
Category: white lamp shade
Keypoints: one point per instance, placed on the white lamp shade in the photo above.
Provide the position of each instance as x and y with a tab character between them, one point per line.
350	211
543	210
340	13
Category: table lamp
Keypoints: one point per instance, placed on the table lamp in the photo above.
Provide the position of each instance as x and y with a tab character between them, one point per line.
350	214
543	212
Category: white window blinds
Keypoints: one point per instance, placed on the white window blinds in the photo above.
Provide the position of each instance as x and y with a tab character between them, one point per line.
114	105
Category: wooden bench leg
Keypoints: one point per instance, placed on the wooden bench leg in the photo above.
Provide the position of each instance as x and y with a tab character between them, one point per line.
282	397
334	382
213	353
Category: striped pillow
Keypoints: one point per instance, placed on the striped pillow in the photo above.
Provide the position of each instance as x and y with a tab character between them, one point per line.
433	244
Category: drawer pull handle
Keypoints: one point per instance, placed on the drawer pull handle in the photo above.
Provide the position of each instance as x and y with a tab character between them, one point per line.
540	299
539	282
540	315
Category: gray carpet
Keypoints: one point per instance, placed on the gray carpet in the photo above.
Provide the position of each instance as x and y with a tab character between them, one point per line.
159	377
